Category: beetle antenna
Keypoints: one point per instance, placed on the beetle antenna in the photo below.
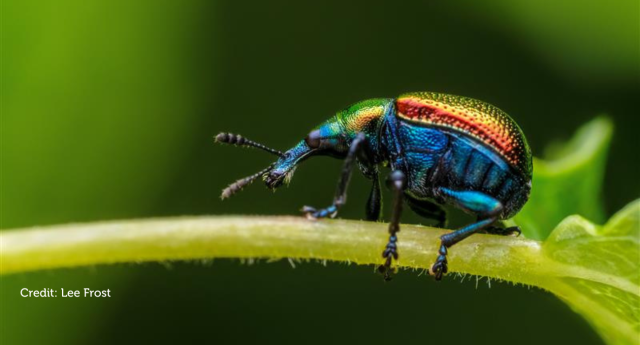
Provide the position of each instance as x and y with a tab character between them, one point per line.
238	140
241	183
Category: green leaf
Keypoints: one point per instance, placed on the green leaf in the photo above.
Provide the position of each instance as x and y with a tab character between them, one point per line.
598	272
569	182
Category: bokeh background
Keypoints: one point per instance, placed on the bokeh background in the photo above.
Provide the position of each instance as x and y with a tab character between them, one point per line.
109	109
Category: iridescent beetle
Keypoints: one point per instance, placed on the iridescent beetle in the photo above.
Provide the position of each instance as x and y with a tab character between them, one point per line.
441	149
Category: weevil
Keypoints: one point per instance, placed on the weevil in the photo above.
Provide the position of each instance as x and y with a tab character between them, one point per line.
441	150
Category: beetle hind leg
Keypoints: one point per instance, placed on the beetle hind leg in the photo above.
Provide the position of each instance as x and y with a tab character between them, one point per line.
440	267
486	207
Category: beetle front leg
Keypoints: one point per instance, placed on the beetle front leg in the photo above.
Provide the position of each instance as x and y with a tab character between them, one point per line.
356	148
374	203
397	182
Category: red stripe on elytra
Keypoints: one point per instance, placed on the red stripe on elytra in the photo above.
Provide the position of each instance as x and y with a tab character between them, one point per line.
490	134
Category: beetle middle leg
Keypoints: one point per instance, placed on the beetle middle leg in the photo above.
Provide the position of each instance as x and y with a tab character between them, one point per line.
397	181
486	207
429	210
356	150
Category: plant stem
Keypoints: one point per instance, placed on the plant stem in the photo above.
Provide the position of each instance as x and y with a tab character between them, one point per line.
184	238
517	260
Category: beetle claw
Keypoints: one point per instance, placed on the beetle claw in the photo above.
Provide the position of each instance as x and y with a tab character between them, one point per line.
390	254
386	270
510	231
439	268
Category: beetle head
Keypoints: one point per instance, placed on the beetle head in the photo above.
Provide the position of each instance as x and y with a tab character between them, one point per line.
326	139
283	169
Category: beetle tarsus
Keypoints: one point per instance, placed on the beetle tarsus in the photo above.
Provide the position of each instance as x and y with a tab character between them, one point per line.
386	270
313	213
510	231
390	253
440	267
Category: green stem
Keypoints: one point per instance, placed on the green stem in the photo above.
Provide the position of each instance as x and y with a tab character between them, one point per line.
514	259
590	291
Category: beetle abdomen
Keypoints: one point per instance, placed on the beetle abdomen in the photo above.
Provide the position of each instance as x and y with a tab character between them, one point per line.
469	165
479	120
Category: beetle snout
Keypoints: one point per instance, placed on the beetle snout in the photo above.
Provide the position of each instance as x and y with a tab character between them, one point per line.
274	179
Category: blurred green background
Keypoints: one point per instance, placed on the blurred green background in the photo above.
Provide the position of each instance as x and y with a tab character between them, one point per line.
109	109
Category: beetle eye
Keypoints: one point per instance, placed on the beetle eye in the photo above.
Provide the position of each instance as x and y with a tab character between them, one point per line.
313	139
